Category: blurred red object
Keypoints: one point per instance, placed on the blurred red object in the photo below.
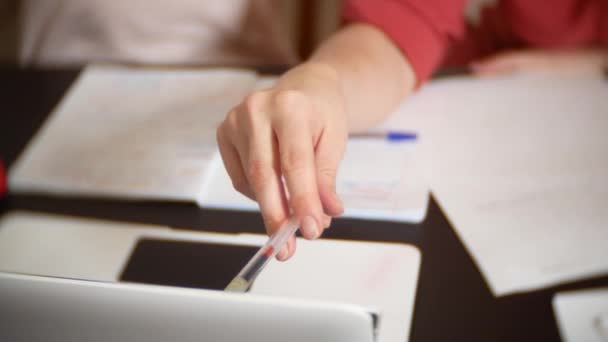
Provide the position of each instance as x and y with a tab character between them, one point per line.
2	179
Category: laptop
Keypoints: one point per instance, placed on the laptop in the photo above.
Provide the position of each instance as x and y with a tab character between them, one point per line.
36	308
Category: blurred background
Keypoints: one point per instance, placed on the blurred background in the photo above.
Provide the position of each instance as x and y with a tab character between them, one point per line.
303	23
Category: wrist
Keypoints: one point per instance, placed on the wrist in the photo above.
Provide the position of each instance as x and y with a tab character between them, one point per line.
308	73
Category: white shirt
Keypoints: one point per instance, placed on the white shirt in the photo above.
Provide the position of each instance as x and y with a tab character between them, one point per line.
225	32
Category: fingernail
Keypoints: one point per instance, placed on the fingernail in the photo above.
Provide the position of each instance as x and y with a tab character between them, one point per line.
326	221
282	255
309	227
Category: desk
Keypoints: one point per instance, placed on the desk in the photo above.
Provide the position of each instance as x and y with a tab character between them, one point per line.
452	302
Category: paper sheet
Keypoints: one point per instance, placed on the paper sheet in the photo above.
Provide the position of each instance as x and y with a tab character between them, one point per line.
383	180
377	179
132	133
582	315
378	276
140	133
519	166
71	247
51	245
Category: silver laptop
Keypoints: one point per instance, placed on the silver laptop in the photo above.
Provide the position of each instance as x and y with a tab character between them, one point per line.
34	308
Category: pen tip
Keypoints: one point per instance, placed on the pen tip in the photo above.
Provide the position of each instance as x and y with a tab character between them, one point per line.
237	284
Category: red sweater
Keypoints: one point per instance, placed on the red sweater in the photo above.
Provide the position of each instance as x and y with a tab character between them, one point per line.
432	33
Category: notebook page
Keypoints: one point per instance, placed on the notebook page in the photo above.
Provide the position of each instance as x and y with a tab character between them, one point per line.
383	180
582	315
519	166
132	133
376	180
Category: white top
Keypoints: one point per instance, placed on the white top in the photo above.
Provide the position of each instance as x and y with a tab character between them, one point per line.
227	32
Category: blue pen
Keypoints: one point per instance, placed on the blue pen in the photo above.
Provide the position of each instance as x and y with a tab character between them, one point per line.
392	136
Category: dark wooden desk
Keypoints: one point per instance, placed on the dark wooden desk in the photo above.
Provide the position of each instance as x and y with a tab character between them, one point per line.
452	302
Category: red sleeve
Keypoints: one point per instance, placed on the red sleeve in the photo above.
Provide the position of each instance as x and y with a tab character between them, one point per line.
568	24
422	29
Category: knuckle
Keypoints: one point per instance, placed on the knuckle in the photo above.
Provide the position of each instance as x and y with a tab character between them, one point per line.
257	172
221	133
305	203
226	129
328	173
293	160
289	101
252	110
241	186
231	120
253	101
272	220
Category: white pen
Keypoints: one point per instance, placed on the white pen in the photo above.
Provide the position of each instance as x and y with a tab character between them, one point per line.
247	275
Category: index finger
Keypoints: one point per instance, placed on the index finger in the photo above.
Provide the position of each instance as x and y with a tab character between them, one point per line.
297	161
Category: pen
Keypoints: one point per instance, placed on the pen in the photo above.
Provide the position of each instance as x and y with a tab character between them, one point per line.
392	136
247	275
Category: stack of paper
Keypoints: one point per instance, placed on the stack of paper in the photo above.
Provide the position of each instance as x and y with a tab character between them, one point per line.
150	134
519	166
131	133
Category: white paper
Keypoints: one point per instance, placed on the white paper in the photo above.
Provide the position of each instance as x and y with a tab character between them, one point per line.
57	246
71	247
132	133
519	166
582	315
378	276
377	179
140	133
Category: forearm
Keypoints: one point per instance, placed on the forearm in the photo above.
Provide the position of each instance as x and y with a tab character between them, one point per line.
372	72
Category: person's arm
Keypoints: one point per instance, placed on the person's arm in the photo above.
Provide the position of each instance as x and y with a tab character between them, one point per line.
298	128
373	73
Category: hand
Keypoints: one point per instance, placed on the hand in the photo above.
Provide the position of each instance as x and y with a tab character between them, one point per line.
296	130
542	61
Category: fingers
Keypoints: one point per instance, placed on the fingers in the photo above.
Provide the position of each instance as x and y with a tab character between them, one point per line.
297	161
259	157
250	156
330	151
264	177
276	136
288	250
232	163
